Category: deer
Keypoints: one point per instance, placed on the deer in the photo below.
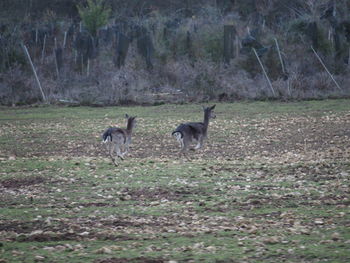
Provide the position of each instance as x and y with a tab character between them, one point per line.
189	132
119	139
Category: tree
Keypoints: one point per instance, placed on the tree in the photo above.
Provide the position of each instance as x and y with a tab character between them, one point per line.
94	15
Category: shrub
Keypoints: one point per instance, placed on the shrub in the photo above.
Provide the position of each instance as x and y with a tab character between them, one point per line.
94	16
11	54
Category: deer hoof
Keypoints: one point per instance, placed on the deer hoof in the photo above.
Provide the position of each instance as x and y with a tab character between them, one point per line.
114	162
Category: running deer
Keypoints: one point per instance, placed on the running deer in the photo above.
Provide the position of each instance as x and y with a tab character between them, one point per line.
119	139
189	132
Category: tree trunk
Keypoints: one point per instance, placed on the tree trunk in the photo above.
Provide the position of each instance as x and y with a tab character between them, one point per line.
229	38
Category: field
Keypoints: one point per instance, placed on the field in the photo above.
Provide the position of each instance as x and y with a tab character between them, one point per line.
270	185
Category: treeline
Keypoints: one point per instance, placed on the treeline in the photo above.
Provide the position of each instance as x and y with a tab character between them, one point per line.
121	52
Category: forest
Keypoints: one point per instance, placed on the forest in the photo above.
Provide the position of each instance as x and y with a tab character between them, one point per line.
152	52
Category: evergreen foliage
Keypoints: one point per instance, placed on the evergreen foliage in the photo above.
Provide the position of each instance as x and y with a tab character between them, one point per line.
94	16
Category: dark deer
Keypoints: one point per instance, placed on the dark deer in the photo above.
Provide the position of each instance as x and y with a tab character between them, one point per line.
189	132
118	139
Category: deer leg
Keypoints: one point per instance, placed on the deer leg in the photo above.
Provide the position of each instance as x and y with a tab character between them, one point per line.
182	143
126	149
122	150
119	154
179	139
199	144
110	148
184	150
114	161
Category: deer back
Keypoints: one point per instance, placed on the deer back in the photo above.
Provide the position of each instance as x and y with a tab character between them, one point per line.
191	130
119	135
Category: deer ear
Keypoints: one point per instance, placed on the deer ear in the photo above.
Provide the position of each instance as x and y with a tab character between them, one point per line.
213	107
127	116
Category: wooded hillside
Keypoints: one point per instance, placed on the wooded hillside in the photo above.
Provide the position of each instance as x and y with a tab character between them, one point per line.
120	52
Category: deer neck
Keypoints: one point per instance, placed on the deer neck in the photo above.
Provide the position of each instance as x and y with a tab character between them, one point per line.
206	120
129	128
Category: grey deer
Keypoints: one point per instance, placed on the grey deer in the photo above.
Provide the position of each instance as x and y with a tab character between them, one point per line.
118	139
189	132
